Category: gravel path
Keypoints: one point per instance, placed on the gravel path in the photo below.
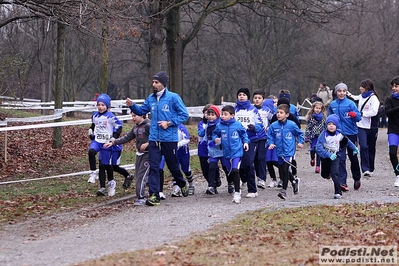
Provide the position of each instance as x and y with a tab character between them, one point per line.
69	238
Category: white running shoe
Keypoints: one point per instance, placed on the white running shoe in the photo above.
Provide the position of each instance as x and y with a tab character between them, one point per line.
397	181
93	177
111	188
273	184
176	191
252	195
367	174
162	196
261	183
237	197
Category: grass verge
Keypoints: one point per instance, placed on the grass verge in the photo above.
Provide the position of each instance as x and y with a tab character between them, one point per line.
257	237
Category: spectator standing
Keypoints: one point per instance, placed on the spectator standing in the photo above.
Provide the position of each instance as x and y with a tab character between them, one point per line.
167	112
325	93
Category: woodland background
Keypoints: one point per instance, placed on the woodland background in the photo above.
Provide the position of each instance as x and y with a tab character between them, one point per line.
67	50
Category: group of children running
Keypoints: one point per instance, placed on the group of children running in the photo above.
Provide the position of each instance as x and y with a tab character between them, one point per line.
249	139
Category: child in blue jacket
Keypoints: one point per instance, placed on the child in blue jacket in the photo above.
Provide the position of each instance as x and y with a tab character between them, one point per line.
328	145
234	140
282	136
348	116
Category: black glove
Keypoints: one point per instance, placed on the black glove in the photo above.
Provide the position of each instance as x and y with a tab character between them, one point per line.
204	120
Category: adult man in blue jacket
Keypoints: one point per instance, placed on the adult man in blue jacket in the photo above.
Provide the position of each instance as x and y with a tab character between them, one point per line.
167	112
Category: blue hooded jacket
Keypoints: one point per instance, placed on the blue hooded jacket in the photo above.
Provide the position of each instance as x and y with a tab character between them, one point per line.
284	135
341	108
233	135
169	108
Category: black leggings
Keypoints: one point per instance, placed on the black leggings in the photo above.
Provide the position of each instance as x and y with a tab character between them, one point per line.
101	173
393	149
285	174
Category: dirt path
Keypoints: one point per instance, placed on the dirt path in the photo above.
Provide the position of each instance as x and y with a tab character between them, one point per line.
68	238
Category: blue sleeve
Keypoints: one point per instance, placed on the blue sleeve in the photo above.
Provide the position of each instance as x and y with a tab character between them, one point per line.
181	111
142	109
201	129
299	135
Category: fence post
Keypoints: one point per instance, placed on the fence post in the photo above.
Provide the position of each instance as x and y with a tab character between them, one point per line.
4	123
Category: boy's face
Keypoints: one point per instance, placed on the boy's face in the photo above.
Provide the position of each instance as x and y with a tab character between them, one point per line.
242	97
282	115
258	99
212	116
137	119
206	114
395	88
226	116
331	127
341	93
101	107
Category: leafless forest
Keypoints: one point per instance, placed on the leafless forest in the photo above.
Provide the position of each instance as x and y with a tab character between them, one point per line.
66	50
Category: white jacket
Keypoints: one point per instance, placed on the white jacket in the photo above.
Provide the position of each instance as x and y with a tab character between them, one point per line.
370	109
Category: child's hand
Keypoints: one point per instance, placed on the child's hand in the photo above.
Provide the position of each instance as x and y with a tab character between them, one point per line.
246	147
217	140
129	102
107	145
272	146
110	142
300	145
144	146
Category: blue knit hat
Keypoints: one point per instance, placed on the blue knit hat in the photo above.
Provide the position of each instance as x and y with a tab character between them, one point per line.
104	98
162	77
333	119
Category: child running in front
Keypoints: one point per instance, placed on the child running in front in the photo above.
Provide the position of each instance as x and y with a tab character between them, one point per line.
282	136
315	124
328	145
233	137
105	128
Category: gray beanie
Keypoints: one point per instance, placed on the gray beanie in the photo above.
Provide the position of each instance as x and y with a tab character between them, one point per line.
341	86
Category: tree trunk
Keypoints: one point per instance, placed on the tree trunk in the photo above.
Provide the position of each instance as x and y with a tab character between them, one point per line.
155	39
104	56
57	131
175	48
